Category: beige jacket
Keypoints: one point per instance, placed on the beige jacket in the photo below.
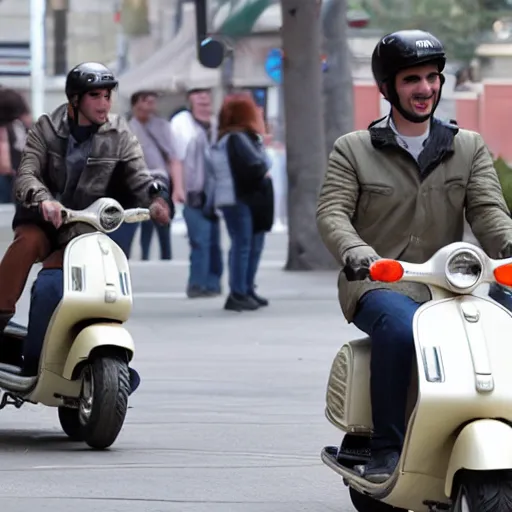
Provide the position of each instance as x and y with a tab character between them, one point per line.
376	194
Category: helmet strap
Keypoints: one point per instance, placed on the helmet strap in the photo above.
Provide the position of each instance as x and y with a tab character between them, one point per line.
393	98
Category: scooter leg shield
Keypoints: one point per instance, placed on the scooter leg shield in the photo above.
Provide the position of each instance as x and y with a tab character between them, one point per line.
483	445
93	337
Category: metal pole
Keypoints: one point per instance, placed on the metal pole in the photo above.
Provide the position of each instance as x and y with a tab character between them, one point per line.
37	47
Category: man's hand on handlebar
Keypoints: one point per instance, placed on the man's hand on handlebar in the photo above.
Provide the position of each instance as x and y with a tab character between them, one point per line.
52	212
358	261
159	211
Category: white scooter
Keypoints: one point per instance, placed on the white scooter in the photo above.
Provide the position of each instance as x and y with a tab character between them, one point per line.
83	369
457	454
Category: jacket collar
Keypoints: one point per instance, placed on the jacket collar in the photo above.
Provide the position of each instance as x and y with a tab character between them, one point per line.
438	147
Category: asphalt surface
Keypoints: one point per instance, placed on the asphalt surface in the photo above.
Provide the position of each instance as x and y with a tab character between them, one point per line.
229	416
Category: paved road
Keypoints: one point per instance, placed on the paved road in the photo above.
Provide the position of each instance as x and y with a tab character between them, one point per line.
229	417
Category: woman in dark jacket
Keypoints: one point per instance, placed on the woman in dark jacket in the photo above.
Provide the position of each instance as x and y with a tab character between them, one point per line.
252	215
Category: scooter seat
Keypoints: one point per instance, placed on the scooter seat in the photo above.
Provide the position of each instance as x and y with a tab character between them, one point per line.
15	330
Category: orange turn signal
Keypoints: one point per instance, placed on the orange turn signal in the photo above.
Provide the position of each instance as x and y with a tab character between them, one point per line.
387	271
503	274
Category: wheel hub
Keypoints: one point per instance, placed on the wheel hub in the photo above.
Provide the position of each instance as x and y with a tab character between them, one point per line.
86	396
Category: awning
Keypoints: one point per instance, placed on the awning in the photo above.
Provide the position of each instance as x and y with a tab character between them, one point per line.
174	67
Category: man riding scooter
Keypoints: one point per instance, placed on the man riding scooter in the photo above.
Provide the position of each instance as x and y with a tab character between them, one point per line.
73	156
398	190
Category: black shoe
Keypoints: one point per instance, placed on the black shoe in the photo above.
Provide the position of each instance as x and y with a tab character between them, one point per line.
11	352
134	380
196	292
240	303
212	293
380	468
260	300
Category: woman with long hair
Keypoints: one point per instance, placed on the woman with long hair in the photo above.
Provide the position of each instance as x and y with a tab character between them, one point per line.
251	215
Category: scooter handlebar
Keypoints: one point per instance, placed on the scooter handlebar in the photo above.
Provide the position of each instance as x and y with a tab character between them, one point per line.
459	267
133	215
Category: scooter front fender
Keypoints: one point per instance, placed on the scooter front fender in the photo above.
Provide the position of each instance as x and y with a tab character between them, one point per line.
483	445
94	336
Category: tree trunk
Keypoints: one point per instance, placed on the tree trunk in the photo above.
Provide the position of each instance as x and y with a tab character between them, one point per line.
305	140
338	85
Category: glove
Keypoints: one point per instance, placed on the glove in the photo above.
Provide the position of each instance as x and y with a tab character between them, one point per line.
357	262
159	211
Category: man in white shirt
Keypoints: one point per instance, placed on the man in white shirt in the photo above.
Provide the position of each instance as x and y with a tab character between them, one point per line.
191	132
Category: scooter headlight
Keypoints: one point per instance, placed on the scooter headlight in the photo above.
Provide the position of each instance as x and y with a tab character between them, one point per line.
111	218
464	269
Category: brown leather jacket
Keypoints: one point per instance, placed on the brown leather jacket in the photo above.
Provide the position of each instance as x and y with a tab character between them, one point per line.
115	167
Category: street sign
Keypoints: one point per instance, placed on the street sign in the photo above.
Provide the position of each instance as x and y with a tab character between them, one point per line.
273	65
14	58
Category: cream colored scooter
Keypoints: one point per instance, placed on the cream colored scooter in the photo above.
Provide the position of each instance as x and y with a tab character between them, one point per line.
457	454
83	369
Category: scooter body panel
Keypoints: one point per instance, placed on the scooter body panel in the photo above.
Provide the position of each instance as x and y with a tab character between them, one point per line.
93	337
97	290
463	373
482	445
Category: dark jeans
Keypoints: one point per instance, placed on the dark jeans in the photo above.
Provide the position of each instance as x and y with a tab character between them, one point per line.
6	182
46	293
205	252
164	237
386	316
246	248
501	294
124	237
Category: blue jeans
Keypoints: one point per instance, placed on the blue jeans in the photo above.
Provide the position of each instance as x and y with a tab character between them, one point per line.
124	237
246	248
387	317
46	294
205	252
6	182
164	237
501	294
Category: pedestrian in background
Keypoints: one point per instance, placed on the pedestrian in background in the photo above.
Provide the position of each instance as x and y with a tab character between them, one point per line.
240	133
192	133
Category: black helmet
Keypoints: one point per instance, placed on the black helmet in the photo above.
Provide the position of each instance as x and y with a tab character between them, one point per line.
401	50
89	76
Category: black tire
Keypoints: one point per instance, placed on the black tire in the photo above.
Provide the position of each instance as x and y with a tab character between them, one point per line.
483	491
102	408
70	423
363	503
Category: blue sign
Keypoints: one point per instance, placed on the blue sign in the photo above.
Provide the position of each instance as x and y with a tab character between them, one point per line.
273	65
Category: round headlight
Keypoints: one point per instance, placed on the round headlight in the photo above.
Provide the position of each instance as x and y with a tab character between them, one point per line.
463	269
111	218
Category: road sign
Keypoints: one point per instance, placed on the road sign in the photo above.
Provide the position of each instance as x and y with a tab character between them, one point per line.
14	58
274	65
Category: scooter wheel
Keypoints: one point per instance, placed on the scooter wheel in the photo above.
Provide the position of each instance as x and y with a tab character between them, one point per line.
363	503
103	400
483	491
70	423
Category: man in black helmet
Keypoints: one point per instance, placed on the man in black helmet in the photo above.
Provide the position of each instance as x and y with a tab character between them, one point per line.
73	156
398	190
